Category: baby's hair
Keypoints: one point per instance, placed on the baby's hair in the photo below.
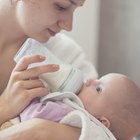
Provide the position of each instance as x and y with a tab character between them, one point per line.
128	114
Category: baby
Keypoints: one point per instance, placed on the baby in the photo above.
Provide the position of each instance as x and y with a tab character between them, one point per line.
114	100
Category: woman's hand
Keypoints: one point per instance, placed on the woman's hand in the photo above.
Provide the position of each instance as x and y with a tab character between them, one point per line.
23	86
38	129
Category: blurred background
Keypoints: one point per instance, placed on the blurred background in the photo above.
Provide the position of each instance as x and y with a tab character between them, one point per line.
109	32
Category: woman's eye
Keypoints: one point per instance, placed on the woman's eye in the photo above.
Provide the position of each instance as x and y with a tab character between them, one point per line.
99	89
61	8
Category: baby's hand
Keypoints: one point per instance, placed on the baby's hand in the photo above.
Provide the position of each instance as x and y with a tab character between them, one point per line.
24	85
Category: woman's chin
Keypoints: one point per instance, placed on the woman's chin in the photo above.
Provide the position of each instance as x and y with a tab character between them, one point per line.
42	40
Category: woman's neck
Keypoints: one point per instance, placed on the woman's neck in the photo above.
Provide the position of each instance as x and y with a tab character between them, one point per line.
11	43
10	36
10	32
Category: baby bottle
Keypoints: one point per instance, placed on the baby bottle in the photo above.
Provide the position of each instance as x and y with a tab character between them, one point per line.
67	78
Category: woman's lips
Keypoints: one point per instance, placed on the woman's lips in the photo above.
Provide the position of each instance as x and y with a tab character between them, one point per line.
52	33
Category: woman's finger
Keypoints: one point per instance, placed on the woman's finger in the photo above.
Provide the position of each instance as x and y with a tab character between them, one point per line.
30	84
37	92
32	73
27	60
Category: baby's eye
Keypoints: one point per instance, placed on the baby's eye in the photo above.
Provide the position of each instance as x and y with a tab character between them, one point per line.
99	89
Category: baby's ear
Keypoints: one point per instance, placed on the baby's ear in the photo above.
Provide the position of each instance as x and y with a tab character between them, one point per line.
105	121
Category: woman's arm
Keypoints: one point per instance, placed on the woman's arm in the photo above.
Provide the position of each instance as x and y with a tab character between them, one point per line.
38	129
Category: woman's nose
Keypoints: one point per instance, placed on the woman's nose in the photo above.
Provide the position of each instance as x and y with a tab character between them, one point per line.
66	23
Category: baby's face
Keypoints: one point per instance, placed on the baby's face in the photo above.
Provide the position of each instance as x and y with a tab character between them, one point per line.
96	95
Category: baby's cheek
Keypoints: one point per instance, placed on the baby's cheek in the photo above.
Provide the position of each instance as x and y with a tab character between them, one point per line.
84	100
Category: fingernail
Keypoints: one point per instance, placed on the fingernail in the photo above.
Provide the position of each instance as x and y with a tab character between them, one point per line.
42	57
55	66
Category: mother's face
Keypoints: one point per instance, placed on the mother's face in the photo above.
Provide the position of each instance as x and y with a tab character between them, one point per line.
41	19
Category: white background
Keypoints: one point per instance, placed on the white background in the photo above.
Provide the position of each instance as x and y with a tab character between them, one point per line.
85	28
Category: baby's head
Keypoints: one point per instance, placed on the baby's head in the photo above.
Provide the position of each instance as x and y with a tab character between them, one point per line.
114	99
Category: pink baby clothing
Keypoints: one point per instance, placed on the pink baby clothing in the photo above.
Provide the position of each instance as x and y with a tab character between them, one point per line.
53	111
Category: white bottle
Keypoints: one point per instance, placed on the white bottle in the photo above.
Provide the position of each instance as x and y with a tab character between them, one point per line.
67	78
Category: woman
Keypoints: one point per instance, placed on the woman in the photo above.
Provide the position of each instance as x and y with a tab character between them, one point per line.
19	20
